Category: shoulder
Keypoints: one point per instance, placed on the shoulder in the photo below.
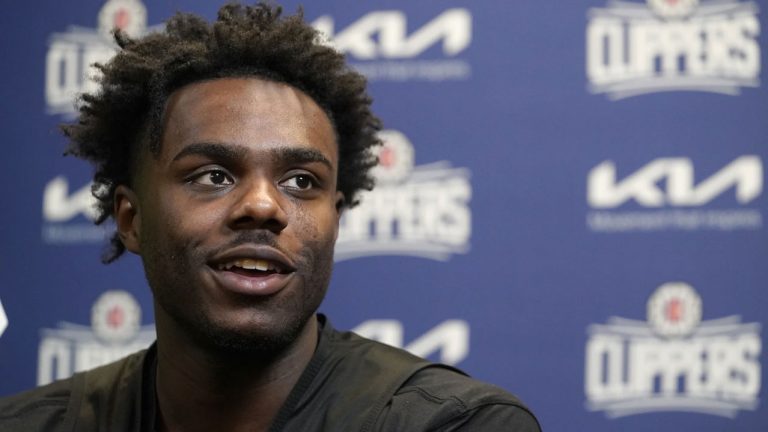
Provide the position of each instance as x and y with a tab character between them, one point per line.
388	389
56	406
40	409
365	355
443	399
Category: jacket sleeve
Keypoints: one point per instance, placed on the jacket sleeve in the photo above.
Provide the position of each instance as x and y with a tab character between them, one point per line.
493	418
40	410
441	400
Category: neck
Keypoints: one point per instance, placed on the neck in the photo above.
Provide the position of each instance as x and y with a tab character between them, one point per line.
201	390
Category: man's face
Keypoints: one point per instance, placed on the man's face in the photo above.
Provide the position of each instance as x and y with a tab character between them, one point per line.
236	219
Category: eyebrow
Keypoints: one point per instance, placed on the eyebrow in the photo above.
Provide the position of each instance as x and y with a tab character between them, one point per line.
293	155
232	153
212	150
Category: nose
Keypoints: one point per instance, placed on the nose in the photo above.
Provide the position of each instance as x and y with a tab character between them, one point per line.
258	206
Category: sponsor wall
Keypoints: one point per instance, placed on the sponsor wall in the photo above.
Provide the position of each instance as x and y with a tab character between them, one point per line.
570	201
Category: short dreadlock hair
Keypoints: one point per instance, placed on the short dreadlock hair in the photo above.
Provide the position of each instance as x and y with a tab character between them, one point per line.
125	115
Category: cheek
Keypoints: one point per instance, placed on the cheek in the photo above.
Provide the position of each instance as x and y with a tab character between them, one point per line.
319	225
312	235
201	219
173	223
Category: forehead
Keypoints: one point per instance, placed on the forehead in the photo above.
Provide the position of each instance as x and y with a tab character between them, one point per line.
250	112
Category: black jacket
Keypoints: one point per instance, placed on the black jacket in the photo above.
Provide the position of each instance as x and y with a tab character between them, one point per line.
351	384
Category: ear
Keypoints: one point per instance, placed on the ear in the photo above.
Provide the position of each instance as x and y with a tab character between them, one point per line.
340	201
127	218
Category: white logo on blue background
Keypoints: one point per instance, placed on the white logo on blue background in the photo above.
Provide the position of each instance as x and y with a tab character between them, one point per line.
673	45
420	211
674	361
69	62
664	194
381	46
115	332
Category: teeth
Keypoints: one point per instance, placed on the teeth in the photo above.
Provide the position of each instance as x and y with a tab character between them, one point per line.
249	264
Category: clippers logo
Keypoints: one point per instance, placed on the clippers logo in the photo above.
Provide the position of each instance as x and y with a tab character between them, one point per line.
674	361
670	182
418	211
116	317
61	210
382	48
129	16
115	332
673	45
68	65
450	339
674	310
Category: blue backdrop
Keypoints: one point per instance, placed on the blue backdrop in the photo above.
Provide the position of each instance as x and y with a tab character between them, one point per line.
570	201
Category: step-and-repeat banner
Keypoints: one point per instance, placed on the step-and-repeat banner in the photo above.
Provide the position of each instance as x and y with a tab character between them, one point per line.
570	203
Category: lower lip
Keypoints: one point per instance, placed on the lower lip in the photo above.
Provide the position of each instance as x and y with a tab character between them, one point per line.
251	285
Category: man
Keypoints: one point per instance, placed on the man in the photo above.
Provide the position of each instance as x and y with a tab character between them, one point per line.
226	153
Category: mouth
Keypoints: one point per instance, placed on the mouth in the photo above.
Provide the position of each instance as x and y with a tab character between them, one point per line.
253	267
254	271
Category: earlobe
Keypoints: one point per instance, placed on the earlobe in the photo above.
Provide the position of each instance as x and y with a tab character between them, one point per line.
127	218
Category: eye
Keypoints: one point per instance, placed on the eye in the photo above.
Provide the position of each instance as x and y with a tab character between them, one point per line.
300	182
213	178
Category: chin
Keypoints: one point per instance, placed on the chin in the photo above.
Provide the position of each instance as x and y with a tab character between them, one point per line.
252	339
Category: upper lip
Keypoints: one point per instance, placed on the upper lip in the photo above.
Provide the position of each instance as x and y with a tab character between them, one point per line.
255	252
